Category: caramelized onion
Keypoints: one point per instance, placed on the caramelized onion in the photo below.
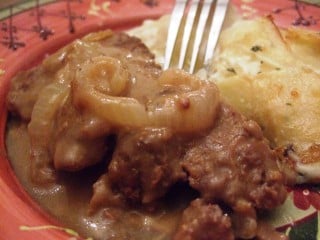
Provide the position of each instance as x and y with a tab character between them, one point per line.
106	75
40	129
99	86
191	107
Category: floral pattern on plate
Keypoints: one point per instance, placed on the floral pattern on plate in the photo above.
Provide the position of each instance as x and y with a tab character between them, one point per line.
32	29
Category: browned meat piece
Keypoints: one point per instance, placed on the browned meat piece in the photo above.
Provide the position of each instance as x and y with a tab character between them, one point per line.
25	89
61	66
81	136
233	164
65	135
108	84
105	196
146	163
202	221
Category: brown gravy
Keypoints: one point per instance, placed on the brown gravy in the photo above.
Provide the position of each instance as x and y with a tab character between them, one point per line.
68	200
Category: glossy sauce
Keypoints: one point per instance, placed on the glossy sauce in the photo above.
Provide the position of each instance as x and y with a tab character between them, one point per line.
68	200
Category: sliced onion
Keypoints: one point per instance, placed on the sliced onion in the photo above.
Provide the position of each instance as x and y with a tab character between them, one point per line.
40	129
99	86
191	108
118	111
106	75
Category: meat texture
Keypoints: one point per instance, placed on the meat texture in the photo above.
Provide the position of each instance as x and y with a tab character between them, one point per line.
234	165
185	133
146	164
203	221
231	165
78	138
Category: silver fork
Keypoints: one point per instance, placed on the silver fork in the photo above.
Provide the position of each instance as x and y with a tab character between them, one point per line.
192	19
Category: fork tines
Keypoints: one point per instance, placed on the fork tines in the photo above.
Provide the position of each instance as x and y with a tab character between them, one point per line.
193	32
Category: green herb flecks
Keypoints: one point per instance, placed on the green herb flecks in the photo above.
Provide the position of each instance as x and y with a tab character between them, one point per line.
256	48
316	2
232	70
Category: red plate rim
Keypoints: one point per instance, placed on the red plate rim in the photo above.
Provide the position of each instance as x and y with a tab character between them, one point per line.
15	203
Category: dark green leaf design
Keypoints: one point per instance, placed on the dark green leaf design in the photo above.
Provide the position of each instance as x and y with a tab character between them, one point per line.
316	2
315	187
305	231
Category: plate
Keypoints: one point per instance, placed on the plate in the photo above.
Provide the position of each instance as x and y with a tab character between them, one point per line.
32	29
